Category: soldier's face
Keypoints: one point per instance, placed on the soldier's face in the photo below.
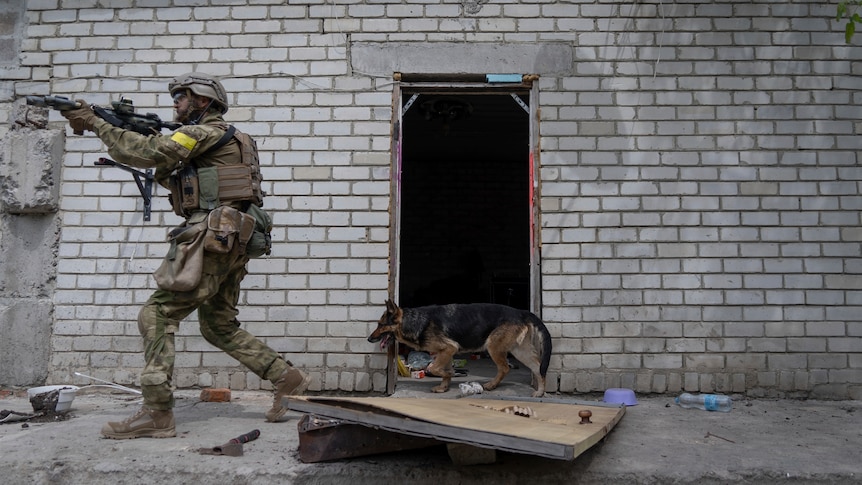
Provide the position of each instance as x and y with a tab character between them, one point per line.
182	106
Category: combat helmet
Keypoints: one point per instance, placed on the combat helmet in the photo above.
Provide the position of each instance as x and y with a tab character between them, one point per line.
203	85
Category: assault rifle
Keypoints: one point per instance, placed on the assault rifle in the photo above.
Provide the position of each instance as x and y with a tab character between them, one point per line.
122	115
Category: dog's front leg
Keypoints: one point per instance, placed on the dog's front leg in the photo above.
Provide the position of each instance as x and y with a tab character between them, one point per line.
442	366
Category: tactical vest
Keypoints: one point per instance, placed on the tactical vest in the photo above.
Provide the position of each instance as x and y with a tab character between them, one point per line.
194	189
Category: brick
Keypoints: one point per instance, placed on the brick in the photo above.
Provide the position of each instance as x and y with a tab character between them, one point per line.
215	395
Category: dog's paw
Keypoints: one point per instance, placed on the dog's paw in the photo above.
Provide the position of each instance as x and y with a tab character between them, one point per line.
440	389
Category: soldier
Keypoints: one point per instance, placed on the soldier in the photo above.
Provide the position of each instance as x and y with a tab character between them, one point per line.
199	156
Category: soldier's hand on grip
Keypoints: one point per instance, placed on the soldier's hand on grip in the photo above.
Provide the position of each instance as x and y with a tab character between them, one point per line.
82	118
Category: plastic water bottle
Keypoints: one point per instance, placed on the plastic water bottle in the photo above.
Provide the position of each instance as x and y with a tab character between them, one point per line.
707	402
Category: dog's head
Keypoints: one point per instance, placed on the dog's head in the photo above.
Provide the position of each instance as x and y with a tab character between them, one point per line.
388	324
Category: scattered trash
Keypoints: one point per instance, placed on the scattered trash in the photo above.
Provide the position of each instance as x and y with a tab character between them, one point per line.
417	360
402	369
706	402
109	384
524	411
50	404
52	399
7	416
470	388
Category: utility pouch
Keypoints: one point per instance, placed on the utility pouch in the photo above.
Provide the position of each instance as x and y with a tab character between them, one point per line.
183	265
223	227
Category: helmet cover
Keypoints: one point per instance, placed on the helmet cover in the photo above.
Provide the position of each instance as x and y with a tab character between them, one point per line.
201	84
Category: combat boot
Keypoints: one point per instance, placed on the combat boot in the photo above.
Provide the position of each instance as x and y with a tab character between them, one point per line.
146	423
292	382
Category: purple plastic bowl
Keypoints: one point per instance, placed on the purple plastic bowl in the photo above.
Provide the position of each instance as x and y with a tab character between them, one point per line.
618	395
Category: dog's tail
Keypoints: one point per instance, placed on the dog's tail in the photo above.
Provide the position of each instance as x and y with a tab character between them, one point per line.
542	341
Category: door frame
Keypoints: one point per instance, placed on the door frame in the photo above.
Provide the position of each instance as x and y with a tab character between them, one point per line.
452	84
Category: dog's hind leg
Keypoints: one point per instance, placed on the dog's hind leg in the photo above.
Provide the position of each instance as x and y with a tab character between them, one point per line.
528	356
517	340
501	341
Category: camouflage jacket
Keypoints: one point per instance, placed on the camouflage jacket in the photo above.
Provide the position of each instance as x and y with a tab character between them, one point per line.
166	153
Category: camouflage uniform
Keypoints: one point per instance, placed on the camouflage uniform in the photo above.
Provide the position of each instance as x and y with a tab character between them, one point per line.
217	295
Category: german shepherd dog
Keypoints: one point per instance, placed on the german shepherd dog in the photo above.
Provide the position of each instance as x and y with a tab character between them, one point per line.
446	330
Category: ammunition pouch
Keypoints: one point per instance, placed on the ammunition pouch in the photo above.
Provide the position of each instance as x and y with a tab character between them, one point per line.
208	198
185	191
209	187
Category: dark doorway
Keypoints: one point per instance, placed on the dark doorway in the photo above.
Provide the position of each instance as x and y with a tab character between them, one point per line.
465	198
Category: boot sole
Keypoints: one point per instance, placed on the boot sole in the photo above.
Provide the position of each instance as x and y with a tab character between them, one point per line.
142	434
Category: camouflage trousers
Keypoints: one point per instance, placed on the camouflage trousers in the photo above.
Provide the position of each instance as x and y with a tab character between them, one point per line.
215	299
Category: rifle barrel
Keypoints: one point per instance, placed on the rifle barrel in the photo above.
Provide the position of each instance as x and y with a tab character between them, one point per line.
56	102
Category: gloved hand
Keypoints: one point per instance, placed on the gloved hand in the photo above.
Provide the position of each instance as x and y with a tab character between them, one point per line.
80	119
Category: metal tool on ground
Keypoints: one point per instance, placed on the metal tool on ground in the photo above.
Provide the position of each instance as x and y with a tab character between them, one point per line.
232	447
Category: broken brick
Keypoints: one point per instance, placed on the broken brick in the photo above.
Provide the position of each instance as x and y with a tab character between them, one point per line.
215	395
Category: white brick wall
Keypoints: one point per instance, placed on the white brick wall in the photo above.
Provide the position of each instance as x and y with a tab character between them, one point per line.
761	218
700	189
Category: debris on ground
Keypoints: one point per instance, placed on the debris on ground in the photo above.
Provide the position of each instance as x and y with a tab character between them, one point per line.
45	416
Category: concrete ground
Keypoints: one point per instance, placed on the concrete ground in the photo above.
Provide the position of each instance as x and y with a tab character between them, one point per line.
656	442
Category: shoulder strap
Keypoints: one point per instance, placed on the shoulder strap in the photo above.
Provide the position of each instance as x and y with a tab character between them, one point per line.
223	140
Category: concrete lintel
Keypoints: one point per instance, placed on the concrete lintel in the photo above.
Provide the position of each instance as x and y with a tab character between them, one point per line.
460	58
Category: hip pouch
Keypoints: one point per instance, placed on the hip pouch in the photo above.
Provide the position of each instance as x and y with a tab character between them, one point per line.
227	228
183	265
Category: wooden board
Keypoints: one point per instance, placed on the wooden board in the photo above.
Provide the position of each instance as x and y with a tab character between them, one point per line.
323	439
553	430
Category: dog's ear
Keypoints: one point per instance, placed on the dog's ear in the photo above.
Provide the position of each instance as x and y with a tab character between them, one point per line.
391	306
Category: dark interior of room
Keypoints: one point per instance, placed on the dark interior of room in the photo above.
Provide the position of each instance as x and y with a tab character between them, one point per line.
465	200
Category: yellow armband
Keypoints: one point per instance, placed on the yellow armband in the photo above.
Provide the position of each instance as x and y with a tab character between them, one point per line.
184	140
